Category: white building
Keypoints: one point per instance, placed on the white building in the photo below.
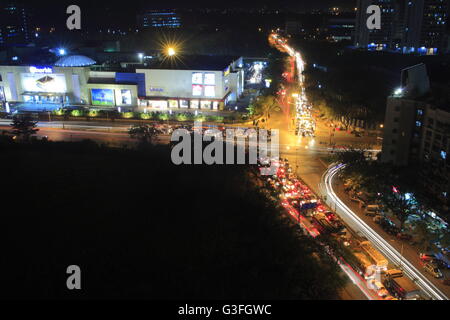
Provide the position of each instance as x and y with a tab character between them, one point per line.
196	82
200	82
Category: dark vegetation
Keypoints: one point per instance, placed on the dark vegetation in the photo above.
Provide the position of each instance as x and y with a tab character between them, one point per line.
140	227
389	185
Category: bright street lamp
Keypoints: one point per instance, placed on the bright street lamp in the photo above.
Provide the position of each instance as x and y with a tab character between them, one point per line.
398	91
171	51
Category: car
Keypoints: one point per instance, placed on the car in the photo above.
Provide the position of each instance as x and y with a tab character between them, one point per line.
378	219
432	269
372	210
330	215
440	263
379	288
404	236
427	256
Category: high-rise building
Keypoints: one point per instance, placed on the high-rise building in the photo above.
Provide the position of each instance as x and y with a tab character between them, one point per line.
417	131
159	19
14	27
408	26
425	26
385	38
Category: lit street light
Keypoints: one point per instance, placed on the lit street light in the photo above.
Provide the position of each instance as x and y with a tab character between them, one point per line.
171	51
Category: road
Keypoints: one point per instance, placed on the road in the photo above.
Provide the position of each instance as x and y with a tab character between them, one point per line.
408	264
314	173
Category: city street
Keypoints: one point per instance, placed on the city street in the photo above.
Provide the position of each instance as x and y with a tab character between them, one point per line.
302	152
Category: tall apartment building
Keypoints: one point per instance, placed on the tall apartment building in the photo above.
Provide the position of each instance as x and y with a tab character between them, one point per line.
14	25
425	26
159	19
378	39
407	26
416	131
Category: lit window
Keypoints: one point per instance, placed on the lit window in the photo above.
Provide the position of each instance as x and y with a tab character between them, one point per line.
210	78
196	90
205	104
194	104
443	154
173	103
184	104
418	124
210	91
197	78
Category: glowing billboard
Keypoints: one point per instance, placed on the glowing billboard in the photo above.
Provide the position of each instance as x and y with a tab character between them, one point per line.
102	97
38	82
126	96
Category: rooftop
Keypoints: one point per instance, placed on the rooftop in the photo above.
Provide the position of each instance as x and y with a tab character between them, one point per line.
74	61
194	62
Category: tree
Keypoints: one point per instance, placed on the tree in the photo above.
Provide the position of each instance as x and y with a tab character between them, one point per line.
264	105
24	126
143	133
424	234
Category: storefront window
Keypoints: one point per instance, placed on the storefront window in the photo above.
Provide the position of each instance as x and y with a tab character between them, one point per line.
194	104
184	104
210	91
158	104
126	96
215	105
205	104
210	78
102	97
196	90
173	103
197	78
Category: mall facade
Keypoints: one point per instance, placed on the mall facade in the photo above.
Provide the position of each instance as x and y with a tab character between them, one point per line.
78	81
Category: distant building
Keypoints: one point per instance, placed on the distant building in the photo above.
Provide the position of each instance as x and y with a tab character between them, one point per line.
425	26
417	131
14	24
340	28
407	26
159	19
378	39
293	27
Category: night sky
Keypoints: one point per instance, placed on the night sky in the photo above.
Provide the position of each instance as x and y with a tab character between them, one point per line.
123	13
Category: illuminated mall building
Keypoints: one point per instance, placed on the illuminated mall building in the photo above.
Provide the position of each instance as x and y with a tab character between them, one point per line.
200	82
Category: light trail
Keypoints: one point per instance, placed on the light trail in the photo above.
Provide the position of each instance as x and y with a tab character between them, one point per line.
390	252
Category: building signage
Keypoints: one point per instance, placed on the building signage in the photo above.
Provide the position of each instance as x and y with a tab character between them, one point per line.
102	97
37	82
41	70
156	89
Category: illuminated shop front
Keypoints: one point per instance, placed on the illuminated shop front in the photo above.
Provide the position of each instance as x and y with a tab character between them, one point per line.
179	104
112	95
204	83
49	86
